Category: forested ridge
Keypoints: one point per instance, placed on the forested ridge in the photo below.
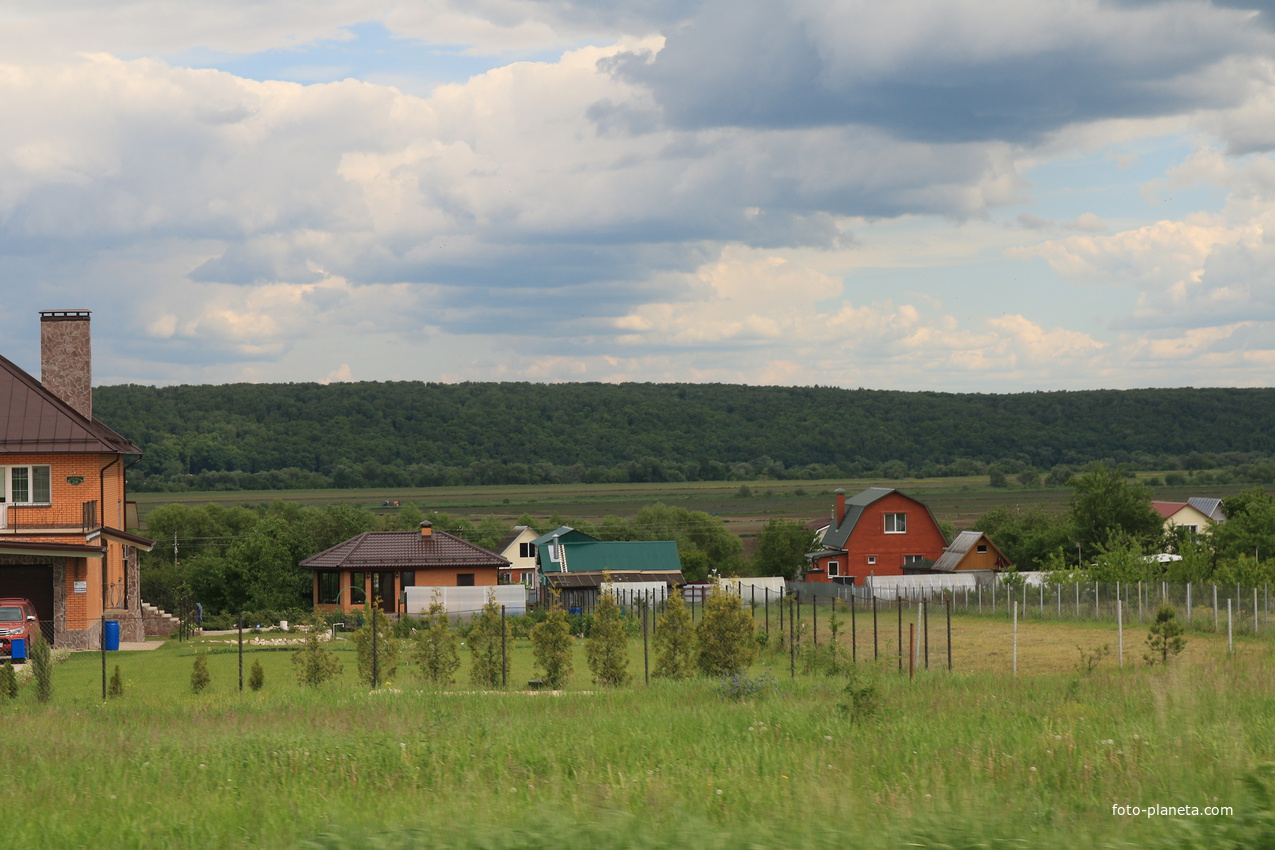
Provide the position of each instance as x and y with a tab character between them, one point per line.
263	436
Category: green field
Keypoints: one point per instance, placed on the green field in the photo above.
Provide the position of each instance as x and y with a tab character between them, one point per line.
743	506
976	757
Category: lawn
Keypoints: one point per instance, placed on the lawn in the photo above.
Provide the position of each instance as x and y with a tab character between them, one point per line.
975	757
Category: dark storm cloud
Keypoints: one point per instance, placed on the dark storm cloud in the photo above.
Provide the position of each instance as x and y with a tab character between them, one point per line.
759	64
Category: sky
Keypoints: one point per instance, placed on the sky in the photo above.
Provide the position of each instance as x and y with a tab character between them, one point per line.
954	195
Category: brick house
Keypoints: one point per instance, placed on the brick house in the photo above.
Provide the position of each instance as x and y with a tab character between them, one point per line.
879	532
62	494
380	564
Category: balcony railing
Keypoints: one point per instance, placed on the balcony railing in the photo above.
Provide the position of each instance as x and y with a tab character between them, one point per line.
15	519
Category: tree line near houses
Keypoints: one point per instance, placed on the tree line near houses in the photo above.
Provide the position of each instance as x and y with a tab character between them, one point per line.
412	434
245	558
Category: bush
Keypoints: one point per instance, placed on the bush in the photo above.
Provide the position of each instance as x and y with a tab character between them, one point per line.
8	681
861	698
740	686
551	644
199	678
488	635
257	677
314	663
116	687
41	657
381	665
725	635
434	647
1165	637
675	641
607	650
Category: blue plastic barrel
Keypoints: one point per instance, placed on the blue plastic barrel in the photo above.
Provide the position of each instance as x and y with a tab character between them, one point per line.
18	649
112	635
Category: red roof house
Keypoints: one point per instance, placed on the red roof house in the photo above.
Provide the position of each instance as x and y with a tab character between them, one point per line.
879	532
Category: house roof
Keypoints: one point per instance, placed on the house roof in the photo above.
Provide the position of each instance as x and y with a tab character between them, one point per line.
508	539
1168	509
35	421
837	535
952	556
616	556
1211	508
403	550
565	533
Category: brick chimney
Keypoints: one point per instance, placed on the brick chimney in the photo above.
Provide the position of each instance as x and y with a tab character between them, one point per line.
841	507
66	358
427	529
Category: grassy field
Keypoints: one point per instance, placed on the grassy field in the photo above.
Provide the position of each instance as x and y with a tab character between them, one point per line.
744	507
977	757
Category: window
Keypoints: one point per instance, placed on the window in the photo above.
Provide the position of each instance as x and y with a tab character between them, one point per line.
407	579
912	559
464	579
526	550
834	568
504	578
358	593
26	485
982	548
896	523
329	588
872	559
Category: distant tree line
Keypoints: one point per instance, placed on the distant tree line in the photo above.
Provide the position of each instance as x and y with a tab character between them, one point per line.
411	434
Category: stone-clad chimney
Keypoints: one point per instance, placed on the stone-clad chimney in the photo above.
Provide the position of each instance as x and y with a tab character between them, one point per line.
66	358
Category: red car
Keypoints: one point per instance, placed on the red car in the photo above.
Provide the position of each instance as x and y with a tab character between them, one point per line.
18	621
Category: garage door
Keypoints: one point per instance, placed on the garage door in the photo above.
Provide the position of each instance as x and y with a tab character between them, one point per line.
34	582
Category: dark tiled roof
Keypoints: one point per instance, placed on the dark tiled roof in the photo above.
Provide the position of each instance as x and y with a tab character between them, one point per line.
403	550
35	421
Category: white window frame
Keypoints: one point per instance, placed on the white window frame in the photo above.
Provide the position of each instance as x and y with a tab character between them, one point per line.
896	523
6	484
872	559
912	559
834	568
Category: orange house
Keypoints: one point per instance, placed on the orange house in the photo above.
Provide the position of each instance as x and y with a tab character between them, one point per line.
62	495
879	532
378	565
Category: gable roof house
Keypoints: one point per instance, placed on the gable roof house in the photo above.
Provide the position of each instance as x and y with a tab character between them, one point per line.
877	532
575	564
379	565
518	547
971	551
62	495
1190	516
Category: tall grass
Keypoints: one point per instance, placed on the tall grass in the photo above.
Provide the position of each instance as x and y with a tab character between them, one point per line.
966	759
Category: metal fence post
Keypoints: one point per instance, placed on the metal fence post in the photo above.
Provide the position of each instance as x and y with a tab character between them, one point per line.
240	652
504	651
103	657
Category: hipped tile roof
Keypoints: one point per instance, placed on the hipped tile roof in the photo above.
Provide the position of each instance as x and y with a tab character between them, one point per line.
403	550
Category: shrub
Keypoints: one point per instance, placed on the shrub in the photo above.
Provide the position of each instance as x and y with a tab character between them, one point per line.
257	677
315	663
741	686
488	636
8	681
434	646
725	635
199	678
551	645
861	698
381	665
607	650
116	686
41	657
1165	637
675	641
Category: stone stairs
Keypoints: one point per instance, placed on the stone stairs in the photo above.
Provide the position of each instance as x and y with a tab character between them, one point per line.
158	623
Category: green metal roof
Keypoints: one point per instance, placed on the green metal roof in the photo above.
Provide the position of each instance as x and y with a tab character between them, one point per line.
616	556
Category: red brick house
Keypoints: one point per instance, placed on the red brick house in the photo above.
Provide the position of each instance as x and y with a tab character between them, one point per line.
62	496
879	532
380	564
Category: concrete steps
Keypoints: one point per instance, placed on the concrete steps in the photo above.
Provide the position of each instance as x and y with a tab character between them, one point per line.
158	623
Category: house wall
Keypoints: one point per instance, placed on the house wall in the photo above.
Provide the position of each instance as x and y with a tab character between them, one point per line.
521	570
869	539
425	576
1188	516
